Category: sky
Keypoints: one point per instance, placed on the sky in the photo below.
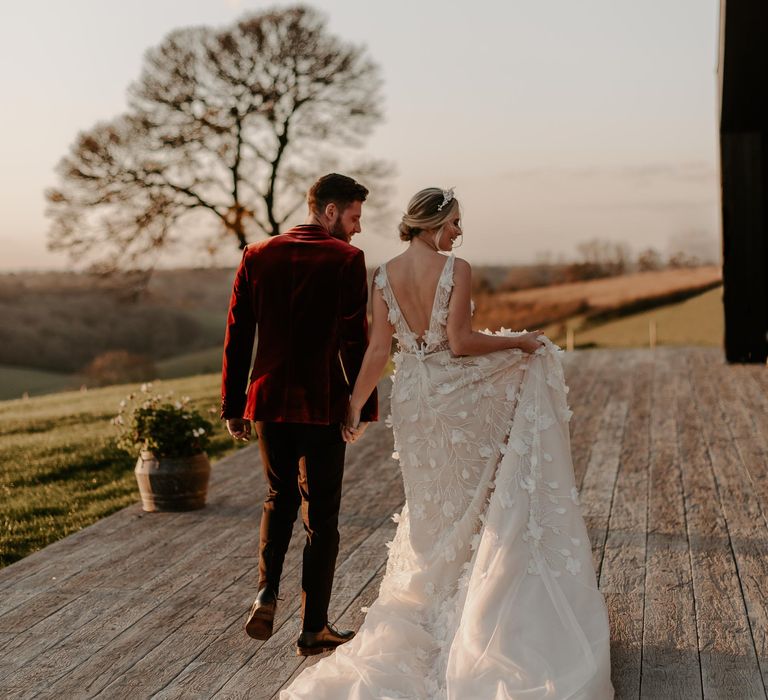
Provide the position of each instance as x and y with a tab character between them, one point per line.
556	121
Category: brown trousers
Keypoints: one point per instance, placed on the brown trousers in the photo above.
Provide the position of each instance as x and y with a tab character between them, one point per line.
303	466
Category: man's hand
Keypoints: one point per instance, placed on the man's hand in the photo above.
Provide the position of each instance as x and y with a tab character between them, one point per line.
352	429
239	428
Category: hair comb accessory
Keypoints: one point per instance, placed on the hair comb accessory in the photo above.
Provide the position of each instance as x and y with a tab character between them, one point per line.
447	197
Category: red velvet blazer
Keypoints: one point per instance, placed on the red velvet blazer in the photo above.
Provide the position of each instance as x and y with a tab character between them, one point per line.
306	292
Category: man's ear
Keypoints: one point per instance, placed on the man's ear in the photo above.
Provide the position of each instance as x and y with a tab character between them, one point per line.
331	210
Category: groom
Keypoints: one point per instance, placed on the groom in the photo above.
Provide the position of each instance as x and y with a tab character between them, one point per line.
306	293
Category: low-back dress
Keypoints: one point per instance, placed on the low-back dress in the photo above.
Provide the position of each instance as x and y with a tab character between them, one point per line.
489	591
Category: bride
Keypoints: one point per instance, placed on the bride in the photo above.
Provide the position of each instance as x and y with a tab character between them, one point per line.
489	591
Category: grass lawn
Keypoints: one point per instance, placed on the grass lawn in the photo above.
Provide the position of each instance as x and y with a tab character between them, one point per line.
59	470
695	321
198	362
14	381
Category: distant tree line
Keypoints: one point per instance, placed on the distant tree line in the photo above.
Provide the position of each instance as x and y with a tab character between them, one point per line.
595	259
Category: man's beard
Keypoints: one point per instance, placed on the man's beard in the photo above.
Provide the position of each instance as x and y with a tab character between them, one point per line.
337	231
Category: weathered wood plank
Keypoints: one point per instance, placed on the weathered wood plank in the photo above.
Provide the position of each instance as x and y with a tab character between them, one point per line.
622	576
670	665
588	393
720	615
351	619
738	657
130	571
602	468
134	614
276	660
127	664
53	560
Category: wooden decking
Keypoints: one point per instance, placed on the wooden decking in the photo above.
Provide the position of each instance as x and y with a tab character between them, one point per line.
671	451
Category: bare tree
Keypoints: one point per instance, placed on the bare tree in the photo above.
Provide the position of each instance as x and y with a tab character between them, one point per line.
649	259
227	124
599	258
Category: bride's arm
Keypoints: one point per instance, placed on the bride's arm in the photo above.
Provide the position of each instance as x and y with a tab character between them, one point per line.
377	354
461	338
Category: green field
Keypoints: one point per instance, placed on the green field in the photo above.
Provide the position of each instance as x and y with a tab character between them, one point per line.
14	381
695	321
59	470
198	362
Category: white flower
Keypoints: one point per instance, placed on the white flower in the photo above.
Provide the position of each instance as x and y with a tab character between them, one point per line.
395	455
573	565
546	421
534	529
457	437
448	509
485	451
575	495
519	446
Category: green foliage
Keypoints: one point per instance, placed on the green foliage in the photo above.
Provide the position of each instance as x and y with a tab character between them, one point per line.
60	469
160	424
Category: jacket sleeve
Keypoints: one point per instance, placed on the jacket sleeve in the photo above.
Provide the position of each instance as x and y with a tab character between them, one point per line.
354	328
238	344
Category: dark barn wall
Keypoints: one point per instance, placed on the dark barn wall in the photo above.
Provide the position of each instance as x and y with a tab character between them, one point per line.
743	74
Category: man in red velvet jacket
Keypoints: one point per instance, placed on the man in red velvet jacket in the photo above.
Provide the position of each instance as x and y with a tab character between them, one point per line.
305	291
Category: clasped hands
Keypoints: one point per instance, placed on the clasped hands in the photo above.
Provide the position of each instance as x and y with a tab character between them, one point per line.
352	429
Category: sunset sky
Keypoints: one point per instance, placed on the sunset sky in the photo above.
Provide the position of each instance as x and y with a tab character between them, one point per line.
556	121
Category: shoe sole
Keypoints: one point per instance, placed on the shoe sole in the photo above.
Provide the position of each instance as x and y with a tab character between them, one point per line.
312	651
260	625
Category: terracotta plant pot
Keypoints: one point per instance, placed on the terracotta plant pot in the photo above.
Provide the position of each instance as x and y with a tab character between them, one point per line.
172	483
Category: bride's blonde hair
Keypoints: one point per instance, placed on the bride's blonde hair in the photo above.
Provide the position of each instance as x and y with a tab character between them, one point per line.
423	213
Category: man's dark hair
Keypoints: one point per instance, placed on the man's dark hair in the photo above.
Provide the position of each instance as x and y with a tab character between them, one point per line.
337	189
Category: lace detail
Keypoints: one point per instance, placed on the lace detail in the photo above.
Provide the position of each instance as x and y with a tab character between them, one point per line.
435	339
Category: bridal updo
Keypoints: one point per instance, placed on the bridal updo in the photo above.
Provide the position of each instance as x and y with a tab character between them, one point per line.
423	213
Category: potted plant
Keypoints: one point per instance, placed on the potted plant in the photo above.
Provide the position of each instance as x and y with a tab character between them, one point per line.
172	469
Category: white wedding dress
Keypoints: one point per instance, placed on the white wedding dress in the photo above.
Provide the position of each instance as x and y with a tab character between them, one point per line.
489	591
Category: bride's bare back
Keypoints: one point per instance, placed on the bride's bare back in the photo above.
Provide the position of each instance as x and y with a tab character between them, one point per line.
413	277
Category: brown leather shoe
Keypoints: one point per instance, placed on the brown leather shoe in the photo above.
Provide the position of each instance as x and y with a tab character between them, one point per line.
327	639
262	615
